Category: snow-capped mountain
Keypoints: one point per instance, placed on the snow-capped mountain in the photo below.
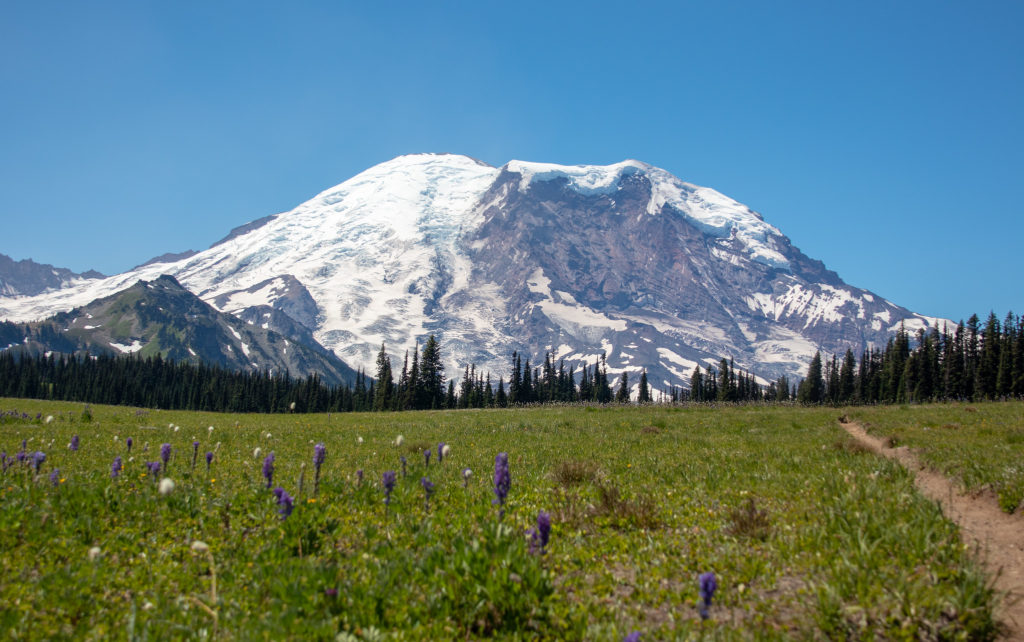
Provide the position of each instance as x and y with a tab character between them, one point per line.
625	260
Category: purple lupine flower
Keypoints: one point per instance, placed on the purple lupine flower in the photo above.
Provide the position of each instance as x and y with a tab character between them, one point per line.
277	493
428	490
440	452
319	455
402	458
466	474
74	443
128	442
539	536
38	458
165	454
195	453
632	637
268	469
21	455
154	468
55	477
426	455
388	480
359	475
209	459
3	460
115	468
286	503
708	585
502	481
24	444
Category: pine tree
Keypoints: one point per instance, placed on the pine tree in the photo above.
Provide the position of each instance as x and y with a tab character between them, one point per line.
622	394
382	396
811	389
644	395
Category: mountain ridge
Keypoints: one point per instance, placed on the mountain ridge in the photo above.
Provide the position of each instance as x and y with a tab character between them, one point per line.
624	260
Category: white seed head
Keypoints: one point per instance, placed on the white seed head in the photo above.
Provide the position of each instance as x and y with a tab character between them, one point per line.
200	547
210	429
166	486
177	428
359	440
445	450
398	440
256	452
170	425
94	553
49	418
268	435
292	406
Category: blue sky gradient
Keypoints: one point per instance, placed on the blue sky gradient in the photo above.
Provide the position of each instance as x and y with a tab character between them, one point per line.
884	139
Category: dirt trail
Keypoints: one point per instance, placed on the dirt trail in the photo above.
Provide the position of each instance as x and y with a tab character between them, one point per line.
998	537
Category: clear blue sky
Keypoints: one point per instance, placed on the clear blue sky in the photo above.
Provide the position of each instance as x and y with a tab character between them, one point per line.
884	138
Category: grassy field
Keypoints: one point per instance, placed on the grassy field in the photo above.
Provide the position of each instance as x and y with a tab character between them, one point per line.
807	535
981	445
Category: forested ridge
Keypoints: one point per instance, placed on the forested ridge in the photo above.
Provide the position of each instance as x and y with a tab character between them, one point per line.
970	362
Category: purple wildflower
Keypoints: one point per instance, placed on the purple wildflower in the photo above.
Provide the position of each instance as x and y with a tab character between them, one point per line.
708	585
632	637
154	468
128	442
540	535
3	460
388	480
165	454
402	458
426	454
74	443
331	593
209	460
286	503
440	452
466	473
359	475
38	458
277	493
268	469
319	455
502	481
115	468
428	490
195	453
21	455
55	477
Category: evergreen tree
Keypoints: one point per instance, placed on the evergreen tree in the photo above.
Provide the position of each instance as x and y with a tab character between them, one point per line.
644	395
622	394
811	389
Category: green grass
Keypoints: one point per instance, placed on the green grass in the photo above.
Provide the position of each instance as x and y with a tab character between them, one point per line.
838	543
980	444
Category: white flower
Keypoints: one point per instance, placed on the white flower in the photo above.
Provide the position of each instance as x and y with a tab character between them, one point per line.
359	440
292	406
256	452
200	547
166	486
94	553
176	428
268	435
170	425
116	438
445	450
398	440
49	418
210	429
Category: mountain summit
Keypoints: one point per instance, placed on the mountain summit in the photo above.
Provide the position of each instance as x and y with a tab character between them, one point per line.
622	260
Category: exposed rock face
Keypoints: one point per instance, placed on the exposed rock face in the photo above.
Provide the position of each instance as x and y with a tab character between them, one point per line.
28	278
624	260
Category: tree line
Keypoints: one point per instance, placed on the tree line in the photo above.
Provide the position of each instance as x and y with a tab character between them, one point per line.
970	362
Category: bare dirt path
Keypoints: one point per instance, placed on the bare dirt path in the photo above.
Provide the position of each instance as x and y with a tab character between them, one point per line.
998	537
